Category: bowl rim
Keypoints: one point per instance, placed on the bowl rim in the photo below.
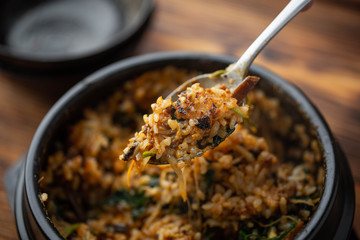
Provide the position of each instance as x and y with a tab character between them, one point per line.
323	131
145	10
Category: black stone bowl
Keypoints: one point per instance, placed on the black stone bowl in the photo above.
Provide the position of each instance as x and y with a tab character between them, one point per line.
332	219
48	38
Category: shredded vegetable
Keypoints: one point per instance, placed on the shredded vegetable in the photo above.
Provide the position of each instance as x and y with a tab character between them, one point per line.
247	236
70	229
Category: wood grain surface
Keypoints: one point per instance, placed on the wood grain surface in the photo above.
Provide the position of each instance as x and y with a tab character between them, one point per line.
319	51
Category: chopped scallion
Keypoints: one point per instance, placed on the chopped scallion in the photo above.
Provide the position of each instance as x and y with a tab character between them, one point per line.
237	111
246	119
217	73
148	154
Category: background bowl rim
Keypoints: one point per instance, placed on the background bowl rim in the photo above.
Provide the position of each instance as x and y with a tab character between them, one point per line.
145	11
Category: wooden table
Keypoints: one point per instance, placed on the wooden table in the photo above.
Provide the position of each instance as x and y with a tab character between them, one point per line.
319	51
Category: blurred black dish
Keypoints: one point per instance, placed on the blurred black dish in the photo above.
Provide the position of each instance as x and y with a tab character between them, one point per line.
67	37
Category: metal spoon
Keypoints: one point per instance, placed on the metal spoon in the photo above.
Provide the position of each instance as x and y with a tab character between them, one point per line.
235	76
235	73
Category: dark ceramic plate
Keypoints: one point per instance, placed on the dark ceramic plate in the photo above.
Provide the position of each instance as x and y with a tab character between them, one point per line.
48	37
333	217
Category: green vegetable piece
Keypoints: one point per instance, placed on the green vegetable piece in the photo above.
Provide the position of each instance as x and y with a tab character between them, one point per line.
248	101
239	113
148	154
284	233
246	119
217	73
137	201
70	229
242	235
209	236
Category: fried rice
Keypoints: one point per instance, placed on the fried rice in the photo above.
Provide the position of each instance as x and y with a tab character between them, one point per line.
261	182
178	131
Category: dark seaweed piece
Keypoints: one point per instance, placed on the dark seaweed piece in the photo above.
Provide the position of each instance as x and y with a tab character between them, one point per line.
130	152
216	233
202	146
172	110
181	110
209	179
137	201
124	120
203	123
154	181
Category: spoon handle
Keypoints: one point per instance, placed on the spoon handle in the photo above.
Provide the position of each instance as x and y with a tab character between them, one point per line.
239	70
